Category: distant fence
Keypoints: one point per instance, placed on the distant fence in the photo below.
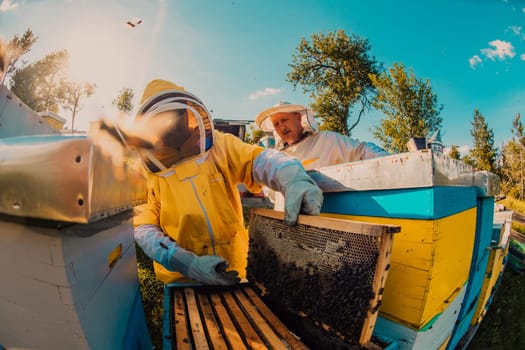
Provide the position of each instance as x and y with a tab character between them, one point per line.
519	218
517	244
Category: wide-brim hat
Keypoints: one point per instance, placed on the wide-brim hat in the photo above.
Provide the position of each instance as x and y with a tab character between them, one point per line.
263	119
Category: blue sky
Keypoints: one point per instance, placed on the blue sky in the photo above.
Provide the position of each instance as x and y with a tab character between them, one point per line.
235	54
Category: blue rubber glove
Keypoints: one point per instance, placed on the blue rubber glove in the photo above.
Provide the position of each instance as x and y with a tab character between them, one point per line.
285	174
301	193
208	269
211	269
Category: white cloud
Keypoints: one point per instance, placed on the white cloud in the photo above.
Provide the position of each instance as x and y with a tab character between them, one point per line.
474	61
522	57
516	29
266	92
502	50
6	5
463	150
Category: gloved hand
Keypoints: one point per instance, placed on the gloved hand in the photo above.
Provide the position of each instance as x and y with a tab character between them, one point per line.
285	174
211	269
117	145
125	137
301	193
208	269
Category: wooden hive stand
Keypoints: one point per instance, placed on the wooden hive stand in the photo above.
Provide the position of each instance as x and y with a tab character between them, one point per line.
223	318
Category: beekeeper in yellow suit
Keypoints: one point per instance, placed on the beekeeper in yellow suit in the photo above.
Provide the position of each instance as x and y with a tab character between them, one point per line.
192	224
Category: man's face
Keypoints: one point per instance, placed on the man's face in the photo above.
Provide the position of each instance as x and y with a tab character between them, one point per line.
166	129
170	134
288	126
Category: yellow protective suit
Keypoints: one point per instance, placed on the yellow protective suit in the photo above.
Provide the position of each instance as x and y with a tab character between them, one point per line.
196	201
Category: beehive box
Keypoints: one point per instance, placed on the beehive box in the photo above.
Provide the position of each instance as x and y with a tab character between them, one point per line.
68	268
69	286
329	273
18	119
64	178
497	253
439	259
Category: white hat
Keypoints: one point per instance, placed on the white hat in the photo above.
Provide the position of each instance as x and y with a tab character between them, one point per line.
264	122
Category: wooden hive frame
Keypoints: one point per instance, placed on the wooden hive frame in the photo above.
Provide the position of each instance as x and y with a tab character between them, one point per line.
224	318
322	243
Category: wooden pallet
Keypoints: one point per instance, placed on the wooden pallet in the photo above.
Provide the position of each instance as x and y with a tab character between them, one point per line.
225	318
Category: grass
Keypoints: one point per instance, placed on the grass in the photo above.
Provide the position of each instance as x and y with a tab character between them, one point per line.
513	204
152	291
504	325
517	206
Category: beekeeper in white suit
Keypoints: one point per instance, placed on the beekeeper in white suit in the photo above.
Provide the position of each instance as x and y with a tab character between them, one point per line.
296	133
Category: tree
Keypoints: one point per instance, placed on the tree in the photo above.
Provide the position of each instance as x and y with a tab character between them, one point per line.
71	92
254	135
467	159
3	60
483	154
38	84
410	106
454	152
14	50
512	168
124	101
335	69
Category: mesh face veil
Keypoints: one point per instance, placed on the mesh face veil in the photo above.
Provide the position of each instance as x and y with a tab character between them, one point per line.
181	125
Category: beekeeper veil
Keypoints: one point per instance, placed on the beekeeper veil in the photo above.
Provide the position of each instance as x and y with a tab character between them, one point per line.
179	123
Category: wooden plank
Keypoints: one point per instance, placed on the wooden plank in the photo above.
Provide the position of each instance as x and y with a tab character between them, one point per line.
276	323
356	227
228	328
267	332
181	329
251	336
197	329
378	285
518	236
214	331
519	218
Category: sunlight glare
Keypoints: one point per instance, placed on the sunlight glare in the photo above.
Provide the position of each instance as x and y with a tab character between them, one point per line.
97	52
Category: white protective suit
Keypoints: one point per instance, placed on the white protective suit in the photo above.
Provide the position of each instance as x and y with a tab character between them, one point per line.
317	148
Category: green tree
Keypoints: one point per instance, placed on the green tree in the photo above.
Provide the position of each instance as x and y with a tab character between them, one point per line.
483	154
410	107
454	152
124	101
512	166
71	93
3	60
17	47
254	135
467	159
335	69
39	84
